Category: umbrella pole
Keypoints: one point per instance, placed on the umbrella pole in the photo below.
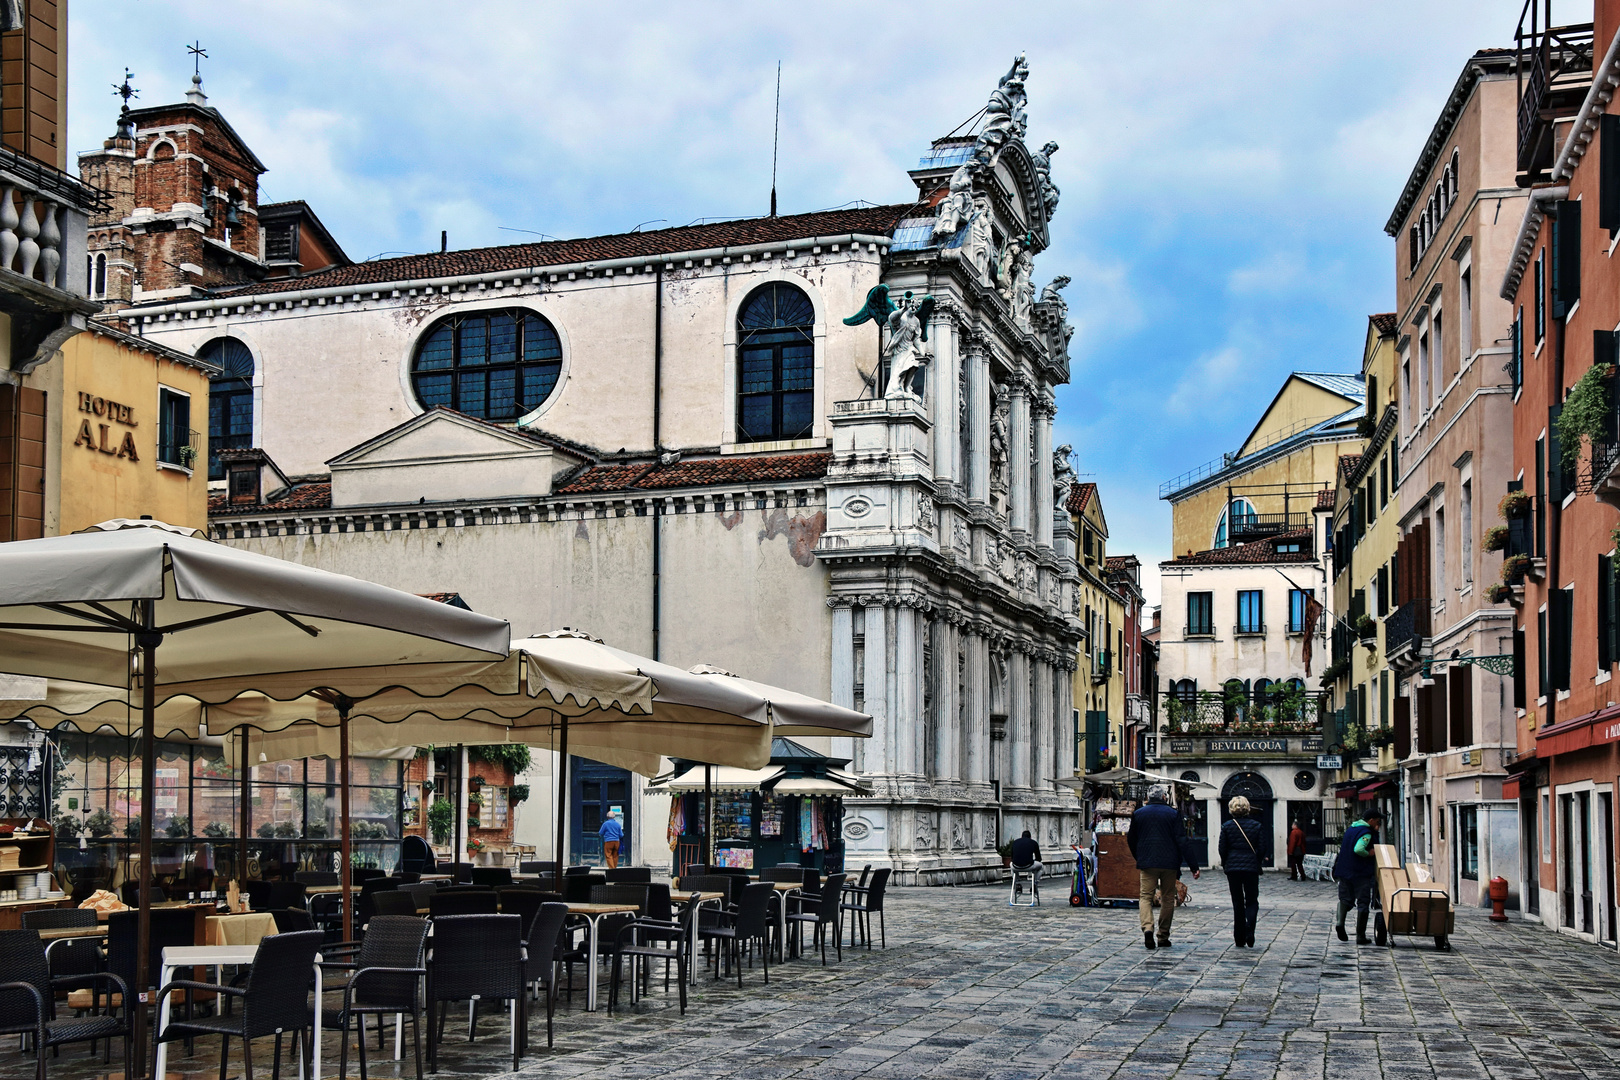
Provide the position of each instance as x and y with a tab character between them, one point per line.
562	801
346	844
456	774
708	816
245	826
148	640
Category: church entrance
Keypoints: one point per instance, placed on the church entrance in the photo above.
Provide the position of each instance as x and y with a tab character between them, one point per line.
1257	790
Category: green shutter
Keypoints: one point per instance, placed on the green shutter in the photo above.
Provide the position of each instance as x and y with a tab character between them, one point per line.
1555	458
1606	620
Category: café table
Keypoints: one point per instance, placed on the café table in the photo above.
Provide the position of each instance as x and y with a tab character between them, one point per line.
69	933
248	928
215	956
594	913
682	897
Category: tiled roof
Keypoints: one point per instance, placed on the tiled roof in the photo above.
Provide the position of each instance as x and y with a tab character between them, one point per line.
1079	495
316	496
1256	551
1122	562
706	472
1326	498
1384	322
1348	463
871	220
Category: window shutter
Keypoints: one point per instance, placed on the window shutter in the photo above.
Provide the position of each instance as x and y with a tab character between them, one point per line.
1606	622
1544	678
1403	728
1566	284
1517	371
1460	684
1518	668
1560	610
1437	715
1609	173
1555	457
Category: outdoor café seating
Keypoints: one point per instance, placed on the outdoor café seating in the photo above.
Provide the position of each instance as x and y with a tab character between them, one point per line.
824	913
449	902
648	940
862	902
629	875
749	922
28	1002
476	958
384	976
541	946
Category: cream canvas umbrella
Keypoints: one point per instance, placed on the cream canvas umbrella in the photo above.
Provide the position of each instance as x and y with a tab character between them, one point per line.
168	606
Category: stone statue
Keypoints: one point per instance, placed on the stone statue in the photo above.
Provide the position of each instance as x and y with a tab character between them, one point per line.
1043	173
1006	262
1004	115
904	353
999	447
1062	473
976	247
957	206
1023	285
1053	293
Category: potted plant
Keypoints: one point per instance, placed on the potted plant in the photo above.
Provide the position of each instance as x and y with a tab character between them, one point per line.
100	823
1498	593
1367	630
1106	762
441	816
67	827
188	456
1496	538
177	828
132	828
216	829
1381	737
1515	504
1005	851
474	845
1514	567
1585	414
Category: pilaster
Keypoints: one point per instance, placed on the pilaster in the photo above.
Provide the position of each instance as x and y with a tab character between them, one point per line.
1018	452
1044	409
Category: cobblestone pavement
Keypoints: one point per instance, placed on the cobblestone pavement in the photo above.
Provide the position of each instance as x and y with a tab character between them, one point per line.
971	988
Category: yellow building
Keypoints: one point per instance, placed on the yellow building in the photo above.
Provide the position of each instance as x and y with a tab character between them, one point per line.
1269	484
122	424
1366	532
1099	682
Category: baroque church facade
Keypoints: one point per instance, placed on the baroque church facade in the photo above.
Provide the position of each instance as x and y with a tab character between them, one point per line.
813	449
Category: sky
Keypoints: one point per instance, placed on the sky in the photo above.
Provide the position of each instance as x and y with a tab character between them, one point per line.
1226	168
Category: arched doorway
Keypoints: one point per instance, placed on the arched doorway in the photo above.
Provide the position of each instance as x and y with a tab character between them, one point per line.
1257	790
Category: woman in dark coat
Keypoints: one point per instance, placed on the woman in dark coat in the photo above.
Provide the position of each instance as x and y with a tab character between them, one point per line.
1242	839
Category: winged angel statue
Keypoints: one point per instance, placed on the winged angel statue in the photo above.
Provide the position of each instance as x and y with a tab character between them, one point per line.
907	324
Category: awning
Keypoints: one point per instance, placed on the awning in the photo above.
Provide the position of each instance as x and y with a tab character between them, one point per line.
1122	775
725	778
1510	787
1348	790
1589	729
813	785
1373	790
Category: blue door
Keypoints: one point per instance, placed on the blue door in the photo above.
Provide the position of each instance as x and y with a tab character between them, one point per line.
597	788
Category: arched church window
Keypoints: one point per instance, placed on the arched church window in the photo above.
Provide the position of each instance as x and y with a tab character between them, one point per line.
1242	511
495	365
230	400
776	371
101	277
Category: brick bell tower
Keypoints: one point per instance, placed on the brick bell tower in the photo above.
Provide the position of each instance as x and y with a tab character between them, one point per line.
184	191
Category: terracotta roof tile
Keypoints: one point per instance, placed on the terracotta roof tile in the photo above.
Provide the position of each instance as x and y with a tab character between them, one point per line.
1256	551
1122	562
1384	322
1079	495
705	472
303	497
1348	463
872	220
1326	498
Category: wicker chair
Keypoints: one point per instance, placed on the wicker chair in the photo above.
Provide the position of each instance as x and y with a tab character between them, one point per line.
292	920
821	913
384	977
648	940
455	902
750	922
520	902
543	951
28	1001
391	902
491	877
783	873
537	867
318	877
577	887
131	897
415	855
274	1001
58	918
476	958
629	875
863	903
287	894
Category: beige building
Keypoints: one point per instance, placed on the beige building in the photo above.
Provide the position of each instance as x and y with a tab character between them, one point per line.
1455	226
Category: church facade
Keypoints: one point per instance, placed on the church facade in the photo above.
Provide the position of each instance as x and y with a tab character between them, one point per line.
813	449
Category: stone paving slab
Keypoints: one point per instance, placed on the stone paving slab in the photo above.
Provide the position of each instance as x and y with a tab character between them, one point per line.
971	988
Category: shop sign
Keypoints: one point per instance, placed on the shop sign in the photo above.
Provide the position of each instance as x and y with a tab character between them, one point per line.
1181	746
1310	744
100	436
1329	762
1248	746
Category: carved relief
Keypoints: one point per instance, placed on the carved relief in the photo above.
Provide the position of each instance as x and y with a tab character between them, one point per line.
959	832
856	830
925	514
964	539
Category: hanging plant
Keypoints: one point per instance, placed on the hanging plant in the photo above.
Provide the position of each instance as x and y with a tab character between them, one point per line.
1496	538
1366	627
1498	593
1585	413
100	823
1514	567
1515	504
518	793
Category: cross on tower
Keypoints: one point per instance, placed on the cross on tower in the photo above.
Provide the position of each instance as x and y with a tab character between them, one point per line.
198	54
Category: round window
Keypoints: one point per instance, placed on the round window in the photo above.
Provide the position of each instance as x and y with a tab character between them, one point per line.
1190	776
1305	780
495	365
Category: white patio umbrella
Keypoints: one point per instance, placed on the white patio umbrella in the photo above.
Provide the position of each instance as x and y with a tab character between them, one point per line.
105	606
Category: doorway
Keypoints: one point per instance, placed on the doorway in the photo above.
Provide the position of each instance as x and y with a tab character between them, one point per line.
598	788
1309	815
1257	790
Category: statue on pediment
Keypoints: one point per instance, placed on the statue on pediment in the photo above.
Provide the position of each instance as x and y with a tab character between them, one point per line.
904	353
976	248
1023	285
1004	115
1043	173
1062	472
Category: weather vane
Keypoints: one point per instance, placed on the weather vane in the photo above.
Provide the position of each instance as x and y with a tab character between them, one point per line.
199	54
124	90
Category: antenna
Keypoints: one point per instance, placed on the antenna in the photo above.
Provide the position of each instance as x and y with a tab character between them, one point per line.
776	135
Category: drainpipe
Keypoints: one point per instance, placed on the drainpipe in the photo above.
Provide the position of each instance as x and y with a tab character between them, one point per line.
658	448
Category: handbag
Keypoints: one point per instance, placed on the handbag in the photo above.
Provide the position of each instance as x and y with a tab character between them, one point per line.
1245	834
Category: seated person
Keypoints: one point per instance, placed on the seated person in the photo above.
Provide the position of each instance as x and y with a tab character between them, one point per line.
1026	854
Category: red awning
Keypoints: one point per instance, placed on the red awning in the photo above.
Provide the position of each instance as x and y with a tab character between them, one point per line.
1510	787
1580	732
1371	790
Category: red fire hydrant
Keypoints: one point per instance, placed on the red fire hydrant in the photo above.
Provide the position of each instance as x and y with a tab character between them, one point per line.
1499	890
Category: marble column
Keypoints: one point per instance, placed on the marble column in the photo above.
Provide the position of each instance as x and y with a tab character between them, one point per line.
876	638
1064	708
942	335
1018	720
979	406
976	722
907	700
1043	472
945	701
1041	727
843	671
1019	436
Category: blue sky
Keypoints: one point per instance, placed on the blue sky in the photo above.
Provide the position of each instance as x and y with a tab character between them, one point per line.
1226	168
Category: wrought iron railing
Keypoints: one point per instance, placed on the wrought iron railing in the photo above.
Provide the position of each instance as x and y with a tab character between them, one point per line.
1554	68
1407	625
1247	527
1280	712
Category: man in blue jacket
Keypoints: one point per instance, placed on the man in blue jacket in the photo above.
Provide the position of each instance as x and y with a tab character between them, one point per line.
1158	842
1355	870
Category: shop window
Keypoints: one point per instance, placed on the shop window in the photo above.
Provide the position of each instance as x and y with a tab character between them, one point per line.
1468	841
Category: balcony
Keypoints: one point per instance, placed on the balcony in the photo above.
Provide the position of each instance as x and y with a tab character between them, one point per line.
1274	713
1247	527
43	216
179	448
1406	631
1102	667
1554	71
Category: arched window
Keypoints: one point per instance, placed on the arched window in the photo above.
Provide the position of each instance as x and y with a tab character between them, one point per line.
1235	701
495	365
1242	511
776	365
230	400
101	277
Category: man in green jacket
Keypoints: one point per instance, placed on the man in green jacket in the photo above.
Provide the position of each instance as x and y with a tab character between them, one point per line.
1356	870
